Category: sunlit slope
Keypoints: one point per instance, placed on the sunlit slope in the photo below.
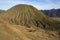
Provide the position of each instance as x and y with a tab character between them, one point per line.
17	32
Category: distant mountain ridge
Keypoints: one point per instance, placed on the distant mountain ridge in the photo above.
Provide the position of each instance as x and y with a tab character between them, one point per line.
52	12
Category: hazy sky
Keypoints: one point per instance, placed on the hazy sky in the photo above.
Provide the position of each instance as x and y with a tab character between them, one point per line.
39	4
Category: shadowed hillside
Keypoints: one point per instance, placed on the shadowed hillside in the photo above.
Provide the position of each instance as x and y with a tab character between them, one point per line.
2	11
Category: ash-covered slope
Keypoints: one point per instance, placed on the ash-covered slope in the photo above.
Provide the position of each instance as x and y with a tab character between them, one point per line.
17	32
27	15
